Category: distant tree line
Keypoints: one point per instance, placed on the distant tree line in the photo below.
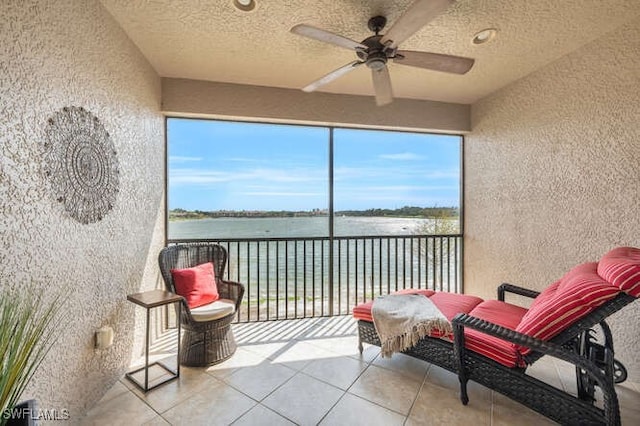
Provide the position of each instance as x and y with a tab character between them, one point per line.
407	211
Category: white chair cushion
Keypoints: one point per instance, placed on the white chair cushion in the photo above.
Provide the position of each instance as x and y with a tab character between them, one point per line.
215	310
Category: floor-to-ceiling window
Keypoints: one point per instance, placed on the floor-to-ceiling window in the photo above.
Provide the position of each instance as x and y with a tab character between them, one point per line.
317	218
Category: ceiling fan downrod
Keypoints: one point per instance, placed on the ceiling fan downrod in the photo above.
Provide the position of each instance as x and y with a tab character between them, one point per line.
376	54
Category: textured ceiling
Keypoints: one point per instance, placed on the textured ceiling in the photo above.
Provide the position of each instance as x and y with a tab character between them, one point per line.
212	40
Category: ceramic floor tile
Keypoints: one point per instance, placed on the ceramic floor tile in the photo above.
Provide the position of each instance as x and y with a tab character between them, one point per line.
116	390
241	359
303	399
260	380
340	371
404	364
344	345
215	404
300	370
274	331
445	379
567	375
546	370
352	410
299	354
437	406
191	381
155	372
338	326
387	388
506	412
629	416
123	409
157	421
156	376
628	397
262	416
269	350
369	353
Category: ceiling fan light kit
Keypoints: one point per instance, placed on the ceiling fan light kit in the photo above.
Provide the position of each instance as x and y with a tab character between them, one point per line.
245	5
484	36
376	50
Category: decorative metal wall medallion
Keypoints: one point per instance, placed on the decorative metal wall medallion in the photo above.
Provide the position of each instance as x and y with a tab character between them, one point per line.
81	163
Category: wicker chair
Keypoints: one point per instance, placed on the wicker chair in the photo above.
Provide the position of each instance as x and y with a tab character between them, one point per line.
592	358
204	342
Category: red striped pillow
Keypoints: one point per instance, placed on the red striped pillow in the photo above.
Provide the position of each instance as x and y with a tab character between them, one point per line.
621	267
579	292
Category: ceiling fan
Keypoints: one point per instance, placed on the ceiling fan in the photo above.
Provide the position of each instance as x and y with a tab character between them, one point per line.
375	51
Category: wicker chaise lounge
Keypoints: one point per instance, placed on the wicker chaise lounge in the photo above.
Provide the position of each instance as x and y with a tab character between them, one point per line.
208	338
494	342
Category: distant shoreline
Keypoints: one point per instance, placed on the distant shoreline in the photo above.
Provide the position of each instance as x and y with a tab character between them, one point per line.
404	212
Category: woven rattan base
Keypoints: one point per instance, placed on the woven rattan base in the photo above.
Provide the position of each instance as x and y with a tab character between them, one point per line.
210	344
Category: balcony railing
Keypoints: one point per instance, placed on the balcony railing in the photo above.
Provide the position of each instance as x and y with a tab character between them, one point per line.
288	278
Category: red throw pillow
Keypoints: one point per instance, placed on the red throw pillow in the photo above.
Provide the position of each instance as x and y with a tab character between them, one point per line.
197	284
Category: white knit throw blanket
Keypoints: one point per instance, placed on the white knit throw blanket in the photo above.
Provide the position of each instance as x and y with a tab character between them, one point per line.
401	320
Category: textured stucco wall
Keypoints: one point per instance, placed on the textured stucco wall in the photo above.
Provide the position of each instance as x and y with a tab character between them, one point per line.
552	168
225	100
72	53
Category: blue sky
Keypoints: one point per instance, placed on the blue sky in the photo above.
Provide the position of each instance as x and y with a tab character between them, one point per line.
218	165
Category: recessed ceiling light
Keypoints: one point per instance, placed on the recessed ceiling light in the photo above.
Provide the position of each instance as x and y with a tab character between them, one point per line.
245	5
484	36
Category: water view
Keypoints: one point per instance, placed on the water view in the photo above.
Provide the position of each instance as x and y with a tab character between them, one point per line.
303	274
295	227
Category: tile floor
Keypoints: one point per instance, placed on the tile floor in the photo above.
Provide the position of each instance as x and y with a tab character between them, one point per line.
309	372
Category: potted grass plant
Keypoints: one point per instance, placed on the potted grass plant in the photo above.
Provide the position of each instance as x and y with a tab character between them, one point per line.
28	327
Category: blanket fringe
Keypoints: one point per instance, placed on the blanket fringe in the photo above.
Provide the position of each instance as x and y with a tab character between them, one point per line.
410	339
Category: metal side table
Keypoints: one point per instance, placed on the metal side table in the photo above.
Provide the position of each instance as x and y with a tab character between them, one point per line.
148	300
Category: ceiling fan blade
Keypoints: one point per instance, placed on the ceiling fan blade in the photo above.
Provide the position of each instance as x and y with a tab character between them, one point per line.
326	36
434	61
414	18
332	76
382	86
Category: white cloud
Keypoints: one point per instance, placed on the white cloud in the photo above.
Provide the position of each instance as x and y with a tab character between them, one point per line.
403	188
282	194
196	177
191	176
183	159
403	156
395	172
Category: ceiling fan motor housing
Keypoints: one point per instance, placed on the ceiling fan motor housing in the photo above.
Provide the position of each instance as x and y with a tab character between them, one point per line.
375	56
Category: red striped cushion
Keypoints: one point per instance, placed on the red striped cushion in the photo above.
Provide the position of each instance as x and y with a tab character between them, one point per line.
621	267
578	293
452	304
363	310
423	291
501	313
